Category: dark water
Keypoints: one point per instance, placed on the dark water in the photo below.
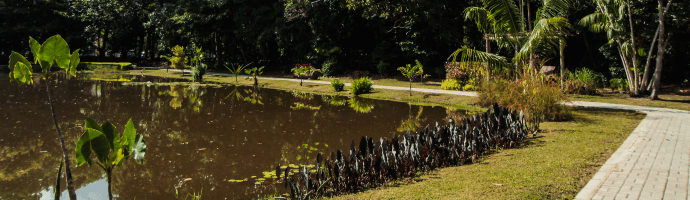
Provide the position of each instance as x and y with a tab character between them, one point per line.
200	138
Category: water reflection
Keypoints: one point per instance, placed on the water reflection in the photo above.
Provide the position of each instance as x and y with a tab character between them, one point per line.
199	138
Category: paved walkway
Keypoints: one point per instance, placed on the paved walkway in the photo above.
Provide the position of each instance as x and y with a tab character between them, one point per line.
652	163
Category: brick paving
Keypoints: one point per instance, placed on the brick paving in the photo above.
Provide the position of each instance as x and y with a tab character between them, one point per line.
652	163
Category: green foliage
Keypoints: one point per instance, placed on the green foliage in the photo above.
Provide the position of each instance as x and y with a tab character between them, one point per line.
304	71
471	61
179	59
237	69
254	72
540	100
198	72
360	105
451	84
53	51
583	81
109	146
328	67
619	84
465	72
197	65
337	85
469	87
412	72
361	86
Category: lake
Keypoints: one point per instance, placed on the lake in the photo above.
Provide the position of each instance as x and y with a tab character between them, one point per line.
216	139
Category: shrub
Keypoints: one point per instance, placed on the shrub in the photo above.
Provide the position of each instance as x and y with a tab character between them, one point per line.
464	72
539	100
328	68
582	81
619	84
198	72
469	87
451	84
179	60
361	86
337	85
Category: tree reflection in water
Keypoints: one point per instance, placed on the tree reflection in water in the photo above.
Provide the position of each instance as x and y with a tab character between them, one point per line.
207	137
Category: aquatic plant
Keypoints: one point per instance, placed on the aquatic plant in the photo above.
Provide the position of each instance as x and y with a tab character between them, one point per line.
373	163
109	146
236	70
254	72
54	51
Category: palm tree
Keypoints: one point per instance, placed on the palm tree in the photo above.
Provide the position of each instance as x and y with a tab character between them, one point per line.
615	18
503	21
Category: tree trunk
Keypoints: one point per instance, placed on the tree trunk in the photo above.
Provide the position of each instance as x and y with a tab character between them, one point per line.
410	87
105	42
661	50
529	16
636	77
65	155
215	39
562	47
647	71
488	50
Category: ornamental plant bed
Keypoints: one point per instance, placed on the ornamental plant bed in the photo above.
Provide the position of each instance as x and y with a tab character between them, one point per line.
372	164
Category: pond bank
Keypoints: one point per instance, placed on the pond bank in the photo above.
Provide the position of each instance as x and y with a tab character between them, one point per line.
556	164
450	99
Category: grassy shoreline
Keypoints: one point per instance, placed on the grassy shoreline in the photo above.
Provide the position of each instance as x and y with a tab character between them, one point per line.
417	98
555	164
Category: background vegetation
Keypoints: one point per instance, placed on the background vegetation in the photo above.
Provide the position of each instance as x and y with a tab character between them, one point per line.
338	36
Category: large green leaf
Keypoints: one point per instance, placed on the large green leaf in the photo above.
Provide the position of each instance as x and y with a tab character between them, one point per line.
22	74
90	123
55	50
74	61
129	137
139	149
117	157
20	69
92	140
83	150
35	48
111	134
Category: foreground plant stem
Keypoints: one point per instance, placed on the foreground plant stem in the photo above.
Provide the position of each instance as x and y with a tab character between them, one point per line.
110	179
65	155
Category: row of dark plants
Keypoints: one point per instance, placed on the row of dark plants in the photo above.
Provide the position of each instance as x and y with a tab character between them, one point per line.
373	163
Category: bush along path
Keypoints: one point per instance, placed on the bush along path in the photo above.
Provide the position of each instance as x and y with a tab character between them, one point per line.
375	162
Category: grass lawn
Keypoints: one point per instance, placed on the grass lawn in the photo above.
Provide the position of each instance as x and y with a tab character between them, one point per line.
554	165
667	99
